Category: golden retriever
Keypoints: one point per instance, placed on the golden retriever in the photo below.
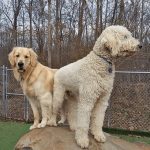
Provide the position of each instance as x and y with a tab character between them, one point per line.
36	81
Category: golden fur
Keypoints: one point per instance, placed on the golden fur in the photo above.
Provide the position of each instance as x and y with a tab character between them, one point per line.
36	81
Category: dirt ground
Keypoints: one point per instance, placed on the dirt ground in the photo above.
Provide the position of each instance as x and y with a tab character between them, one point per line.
124	145
143	146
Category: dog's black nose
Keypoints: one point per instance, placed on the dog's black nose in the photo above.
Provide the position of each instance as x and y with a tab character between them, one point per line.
20	64
140	46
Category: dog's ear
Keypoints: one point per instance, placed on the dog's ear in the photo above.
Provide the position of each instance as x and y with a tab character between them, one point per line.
106	45
33	57
111	45
11	58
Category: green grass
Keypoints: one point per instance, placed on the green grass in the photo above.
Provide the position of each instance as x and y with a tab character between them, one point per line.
133	138
10	132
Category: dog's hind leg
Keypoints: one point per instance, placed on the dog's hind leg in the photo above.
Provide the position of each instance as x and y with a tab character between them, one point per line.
64	110
97	118
58	98
72	112
62	116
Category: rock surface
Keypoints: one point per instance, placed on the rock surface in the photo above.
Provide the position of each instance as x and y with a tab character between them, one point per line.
61	138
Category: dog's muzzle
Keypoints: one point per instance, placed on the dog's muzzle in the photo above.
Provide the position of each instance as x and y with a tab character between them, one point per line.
21	65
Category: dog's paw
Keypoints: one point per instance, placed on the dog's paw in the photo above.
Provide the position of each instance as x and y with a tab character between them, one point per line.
72	127
33	127
82	139
61	122
41	125
52	123
83	142
100	137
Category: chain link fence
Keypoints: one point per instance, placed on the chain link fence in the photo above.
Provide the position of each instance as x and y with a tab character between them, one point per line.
13	103
16	103
129	105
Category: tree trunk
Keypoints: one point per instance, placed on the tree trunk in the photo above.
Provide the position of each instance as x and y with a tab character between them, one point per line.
16	9
114	12
106	11
99	23
80	22
56	60
141	21
97	19
23	20
101	17
49	35
120	20
30	17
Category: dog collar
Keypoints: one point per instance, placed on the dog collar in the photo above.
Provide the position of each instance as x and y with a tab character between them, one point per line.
109	62
106	60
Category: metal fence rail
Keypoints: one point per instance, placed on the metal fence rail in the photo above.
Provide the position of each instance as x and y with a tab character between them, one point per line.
129	106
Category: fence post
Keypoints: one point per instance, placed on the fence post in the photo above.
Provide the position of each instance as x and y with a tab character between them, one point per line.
6	86
3	91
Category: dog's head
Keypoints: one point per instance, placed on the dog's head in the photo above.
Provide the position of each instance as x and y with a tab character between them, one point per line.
117	41
22	58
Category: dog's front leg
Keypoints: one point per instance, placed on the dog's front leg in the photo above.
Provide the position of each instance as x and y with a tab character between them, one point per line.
35	114
97	118
46	108
85	106
83	121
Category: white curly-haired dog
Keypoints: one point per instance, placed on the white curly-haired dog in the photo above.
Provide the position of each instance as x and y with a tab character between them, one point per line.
90	80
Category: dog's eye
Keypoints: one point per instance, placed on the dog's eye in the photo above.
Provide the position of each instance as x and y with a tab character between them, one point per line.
17	55
26	56
125	37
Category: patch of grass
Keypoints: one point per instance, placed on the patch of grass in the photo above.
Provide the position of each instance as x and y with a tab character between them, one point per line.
127	132
10	132
133	138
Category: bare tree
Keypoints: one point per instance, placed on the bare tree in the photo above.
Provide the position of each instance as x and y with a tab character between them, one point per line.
99	23
114	12
16	9
120	19
49	35
30	17
141	20
66	30
56	52
80	21
106	13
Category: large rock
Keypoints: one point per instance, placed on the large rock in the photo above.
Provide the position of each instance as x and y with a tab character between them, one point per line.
61	138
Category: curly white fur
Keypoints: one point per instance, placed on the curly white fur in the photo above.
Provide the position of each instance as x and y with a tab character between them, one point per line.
91	84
